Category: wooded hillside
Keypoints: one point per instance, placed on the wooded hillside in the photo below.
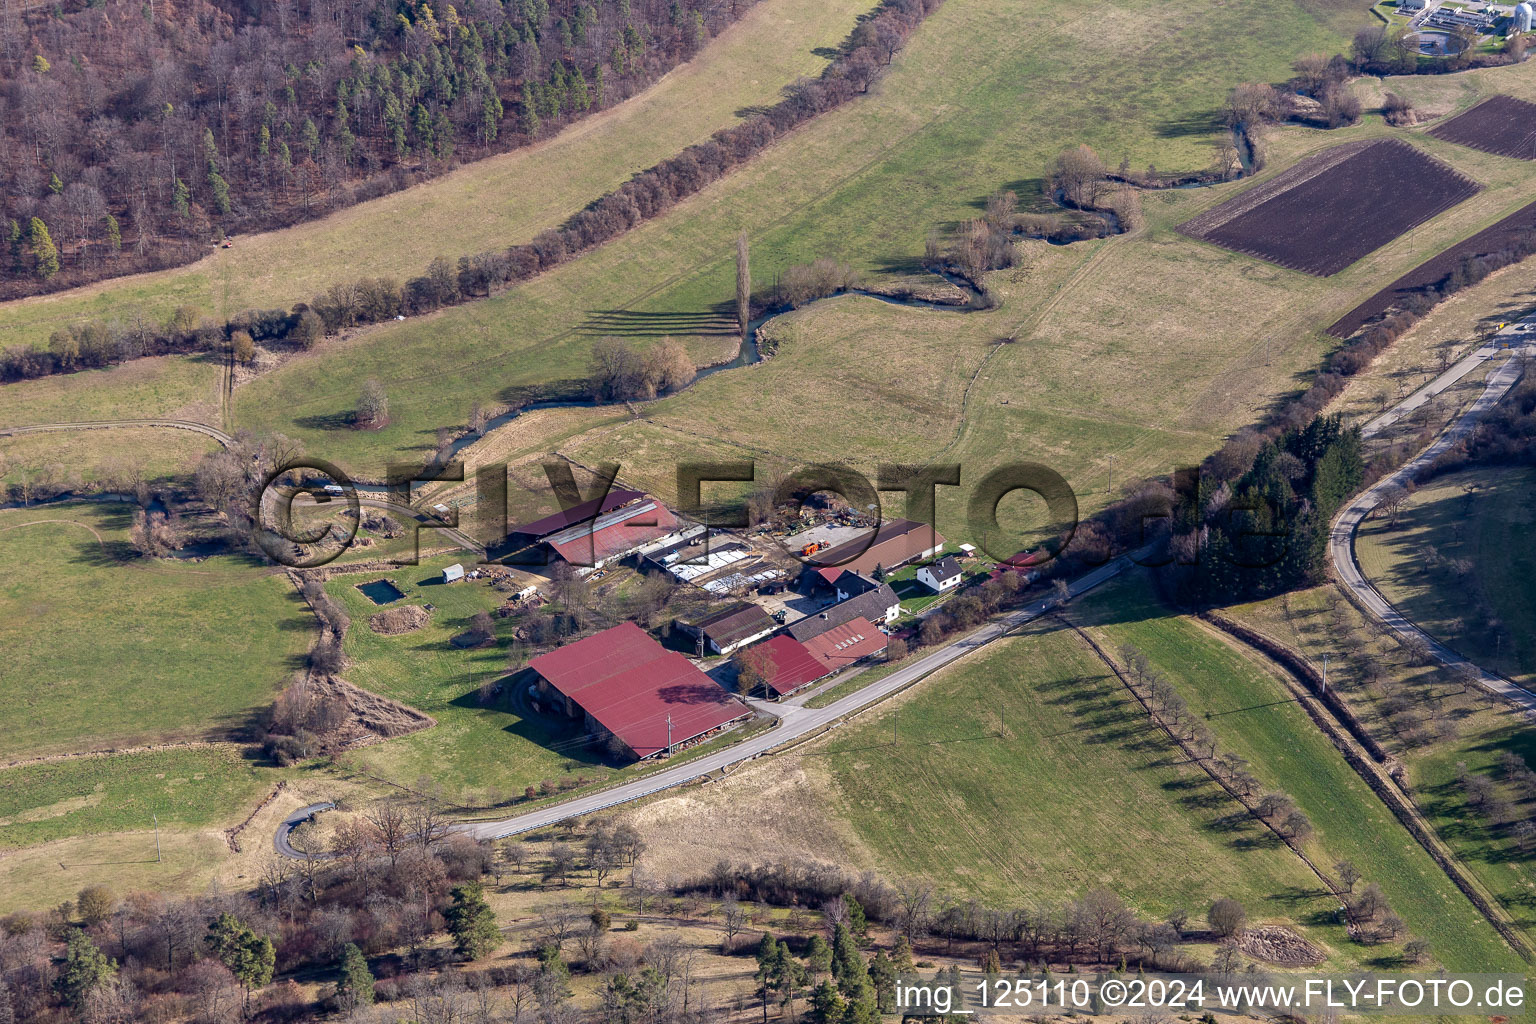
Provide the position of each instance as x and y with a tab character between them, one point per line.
134	134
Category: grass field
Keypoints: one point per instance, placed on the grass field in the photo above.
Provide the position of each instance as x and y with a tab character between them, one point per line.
100	651
886	156
187	788
477	754
165	452
494	202
1079	792
1479	600
185	387
1320	621
1253	716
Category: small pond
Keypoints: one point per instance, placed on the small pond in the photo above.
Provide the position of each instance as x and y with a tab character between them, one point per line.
381	591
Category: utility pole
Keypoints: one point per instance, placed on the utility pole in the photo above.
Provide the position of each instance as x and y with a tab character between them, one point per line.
669	735
1325	675
895	718
1109	485
157	838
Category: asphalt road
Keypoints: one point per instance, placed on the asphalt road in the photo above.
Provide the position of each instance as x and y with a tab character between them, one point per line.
1341	541
794	722
280	838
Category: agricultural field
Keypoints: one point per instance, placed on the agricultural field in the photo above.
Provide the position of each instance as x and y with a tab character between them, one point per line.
490	203
1499	124
1491	239
1237	693
106	650
875	214
184	787
1325	213
1470	528
992	816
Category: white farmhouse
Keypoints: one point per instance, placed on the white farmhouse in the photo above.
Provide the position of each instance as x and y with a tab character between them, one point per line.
941	575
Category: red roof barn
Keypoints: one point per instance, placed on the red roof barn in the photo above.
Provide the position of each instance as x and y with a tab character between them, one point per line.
628	685
843	645
784	664
613	534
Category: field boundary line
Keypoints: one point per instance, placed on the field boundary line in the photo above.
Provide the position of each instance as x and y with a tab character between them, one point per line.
1378	778
143	748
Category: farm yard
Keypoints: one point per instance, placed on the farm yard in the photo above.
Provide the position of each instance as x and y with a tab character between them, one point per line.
1500	124
1326	212
1109	359
483	749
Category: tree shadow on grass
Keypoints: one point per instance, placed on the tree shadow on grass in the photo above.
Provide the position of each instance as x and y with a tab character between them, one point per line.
325	421
629	323
1206	122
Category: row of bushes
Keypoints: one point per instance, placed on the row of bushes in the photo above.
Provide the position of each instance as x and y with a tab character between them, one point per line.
868	49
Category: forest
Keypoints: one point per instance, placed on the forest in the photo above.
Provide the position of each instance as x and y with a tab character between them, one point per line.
134	136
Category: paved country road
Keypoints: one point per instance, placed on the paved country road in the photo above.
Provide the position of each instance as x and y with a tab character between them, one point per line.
1341	541
280	840
794	723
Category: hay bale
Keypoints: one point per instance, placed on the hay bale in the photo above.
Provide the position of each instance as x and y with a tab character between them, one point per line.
395	621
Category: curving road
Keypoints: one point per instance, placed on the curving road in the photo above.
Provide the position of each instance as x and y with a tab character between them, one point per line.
1341	541
280	841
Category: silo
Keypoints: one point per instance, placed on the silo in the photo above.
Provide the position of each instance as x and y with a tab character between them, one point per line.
1521	22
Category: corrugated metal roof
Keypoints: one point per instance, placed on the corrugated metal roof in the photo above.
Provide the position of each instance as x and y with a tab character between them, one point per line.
895	543
630	684
613	534
871	605
785	664
735	623
843	645
578	513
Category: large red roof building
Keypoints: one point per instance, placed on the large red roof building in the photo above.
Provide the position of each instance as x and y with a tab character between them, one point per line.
628	686
614	534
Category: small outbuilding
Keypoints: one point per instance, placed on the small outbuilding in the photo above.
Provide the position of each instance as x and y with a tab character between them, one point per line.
941	575
453	573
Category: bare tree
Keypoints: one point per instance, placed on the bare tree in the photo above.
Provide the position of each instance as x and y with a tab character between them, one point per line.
388	818
734	918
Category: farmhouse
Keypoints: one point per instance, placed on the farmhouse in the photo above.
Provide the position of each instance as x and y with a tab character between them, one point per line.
895	543
786	665
879	606
846	644
634	693
941	575
732	627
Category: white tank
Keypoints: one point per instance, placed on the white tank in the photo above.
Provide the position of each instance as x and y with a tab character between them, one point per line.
1521	22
